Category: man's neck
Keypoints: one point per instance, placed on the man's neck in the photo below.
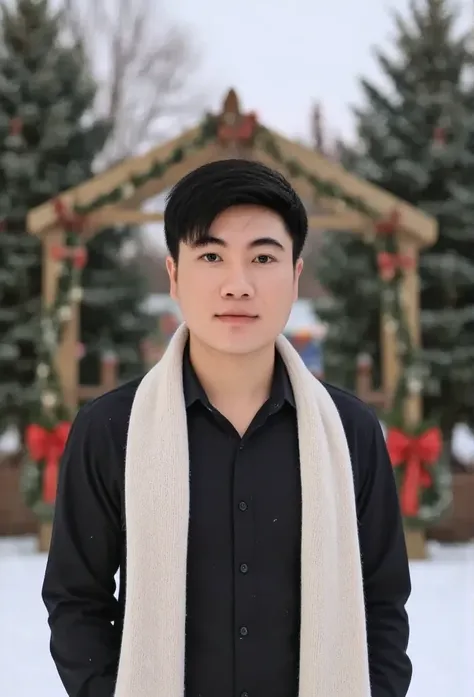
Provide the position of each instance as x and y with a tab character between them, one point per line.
231	378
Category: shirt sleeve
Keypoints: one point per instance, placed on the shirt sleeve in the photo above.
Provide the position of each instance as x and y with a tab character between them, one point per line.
385	567
84	556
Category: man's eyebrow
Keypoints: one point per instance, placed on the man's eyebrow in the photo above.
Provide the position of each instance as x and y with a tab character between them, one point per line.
259	242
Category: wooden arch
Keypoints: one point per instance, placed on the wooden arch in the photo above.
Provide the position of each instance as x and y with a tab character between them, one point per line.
233	137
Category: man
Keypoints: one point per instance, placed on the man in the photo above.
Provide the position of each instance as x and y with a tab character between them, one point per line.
235	493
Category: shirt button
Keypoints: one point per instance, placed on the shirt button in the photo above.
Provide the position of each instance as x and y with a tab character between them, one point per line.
244	568
244	631
243	506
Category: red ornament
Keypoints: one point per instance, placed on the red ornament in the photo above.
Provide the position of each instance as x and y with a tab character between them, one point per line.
16	126
77	254
69	220
416	453
439	135
48	446
242	130
389	264
387	226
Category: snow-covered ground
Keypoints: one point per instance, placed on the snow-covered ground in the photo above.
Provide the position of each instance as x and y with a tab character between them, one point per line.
441	612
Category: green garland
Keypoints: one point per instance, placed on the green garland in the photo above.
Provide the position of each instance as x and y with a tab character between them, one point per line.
51	413
51	409
436	497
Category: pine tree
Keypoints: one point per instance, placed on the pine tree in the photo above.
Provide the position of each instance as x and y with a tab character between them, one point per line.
46	146
112	318
416	139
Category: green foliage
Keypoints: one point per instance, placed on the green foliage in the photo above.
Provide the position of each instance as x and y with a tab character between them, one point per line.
416	139
46	146
111	315
347	268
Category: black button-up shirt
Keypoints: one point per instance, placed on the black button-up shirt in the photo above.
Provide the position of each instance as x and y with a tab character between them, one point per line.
243	599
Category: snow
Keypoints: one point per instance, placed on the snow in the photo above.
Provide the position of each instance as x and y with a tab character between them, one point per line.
441	613
462	445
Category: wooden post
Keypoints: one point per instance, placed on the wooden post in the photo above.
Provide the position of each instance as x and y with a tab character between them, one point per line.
152	351
413	407
389	357
364	383
65	360
108	379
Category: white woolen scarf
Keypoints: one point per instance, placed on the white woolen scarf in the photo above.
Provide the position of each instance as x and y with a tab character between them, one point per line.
333	649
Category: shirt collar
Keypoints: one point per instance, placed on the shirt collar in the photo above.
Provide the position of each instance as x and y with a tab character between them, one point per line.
281	390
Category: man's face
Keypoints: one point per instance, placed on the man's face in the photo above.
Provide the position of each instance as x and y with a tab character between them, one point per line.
236	290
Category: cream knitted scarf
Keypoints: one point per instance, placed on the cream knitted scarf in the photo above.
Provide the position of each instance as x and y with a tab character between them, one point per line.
333	646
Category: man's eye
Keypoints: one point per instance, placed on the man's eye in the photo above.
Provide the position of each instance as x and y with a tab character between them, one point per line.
264	259
211	257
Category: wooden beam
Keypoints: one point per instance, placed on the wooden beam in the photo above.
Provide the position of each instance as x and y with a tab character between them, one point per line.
342	218
43	217
116	215
209	153
422	228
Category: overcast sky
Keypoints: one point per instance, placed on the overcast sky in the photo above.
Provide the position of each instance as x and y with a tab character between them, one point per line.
281	55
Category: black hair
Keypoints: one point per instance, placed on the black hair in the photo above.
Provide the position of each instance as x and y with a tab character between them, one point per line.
200	196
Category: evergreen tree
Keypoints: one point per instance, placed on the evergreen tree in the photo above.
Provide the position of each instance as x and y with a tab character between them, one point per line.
417	141
46	146
111	315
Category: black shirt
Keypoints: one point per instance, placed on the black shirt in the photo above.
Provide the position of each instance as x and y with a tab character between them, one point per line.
244	548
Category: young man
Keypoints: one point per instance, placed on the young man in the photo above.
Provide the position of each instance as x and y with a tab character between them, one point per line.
235	493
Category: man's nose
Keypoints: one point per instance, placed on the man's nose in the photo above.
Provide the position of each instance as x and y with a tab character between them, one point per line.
237	285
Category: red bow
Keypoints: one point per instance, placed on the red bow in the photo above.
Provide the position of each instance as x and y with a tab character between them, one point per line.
389	263
48	446
241	131
415	452
77	254
69	220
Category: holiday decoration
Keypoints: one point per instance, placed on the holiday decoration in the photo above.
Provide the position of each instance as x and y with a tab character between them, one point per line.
416	454
238	131
46	436
46	447
78	255
389	264
439	136
16	126
234	128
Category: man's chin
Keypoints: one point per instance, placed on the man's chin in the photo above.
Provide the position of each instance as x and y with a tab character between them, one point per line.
239	345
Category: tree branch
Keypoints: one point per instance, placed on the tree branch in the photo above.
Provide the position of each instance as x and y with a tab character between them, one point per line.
144	64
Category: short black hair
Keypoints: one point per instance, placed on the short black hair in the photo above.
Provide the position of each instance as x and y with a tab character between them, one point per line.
200	196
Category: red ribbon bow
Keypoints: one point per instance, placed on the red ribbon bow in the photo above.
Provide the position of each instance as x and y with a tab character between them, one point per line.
241	131
69	220
416	453
389	263
48	446
77	254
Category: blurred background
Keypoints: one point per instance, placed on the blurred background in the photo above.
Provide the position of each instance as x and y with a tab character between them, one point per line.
384	89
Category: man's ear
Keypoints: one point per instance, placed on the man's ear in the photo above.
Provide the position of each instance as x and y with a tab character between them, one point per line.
172	269
298	270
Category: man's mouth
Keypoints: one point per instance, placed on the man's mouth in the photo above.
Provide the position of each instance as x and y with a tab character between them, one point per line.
236	317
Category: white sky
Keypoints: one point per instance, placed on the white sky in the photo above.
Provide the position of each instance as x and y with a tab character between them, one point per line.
283	55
